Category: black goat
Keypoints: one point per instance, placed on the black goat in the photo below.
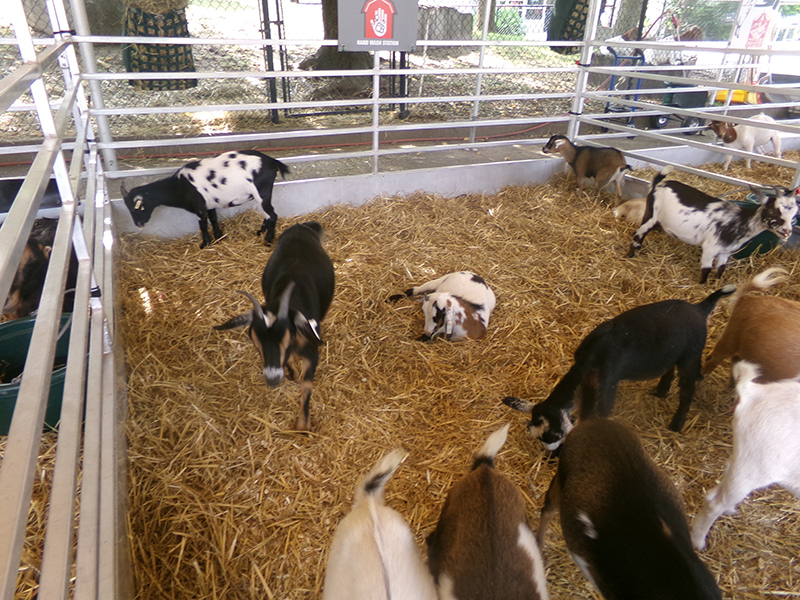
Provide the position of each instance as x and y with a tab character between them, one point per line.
643	343
622	518
203	186
298	284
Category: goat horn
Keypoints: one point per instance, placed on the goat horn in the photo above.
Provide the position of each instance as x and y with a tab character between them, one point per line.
256	306
283	308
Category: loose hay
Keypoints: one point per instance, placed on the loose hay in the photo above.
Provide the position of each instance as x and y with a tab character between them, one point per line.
227	502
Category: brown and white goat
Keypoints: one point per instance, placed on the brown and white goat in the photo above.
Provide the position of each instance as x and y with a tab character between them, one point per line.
747	137
622	518
456	306
373	555
604	165
482	546
764	330
766	447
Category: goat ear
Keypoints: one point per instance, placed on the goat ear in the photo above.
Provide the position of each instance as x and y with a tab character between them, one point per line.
240	321
760	195
308	326
123	190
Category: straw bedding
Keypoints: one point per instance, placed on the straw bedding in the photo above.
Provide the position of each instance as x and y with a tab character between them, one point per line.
228	502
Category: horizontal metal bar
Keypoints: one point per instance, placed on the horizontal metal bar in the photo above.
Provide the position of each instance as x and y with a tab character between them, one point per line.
157	110
13	85
688	142
686	81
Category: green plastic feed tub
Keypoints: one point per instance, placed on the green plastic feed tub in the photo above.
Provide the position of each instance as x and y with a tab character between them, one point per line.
15	339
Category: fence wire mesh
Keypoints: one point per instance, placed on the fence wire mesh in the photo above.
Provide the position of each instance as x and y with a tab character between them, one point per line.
510	21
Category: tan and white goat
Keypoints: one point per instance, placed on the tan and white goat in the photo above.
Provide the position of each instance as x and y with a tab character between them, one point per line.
747	137
764	330
373	555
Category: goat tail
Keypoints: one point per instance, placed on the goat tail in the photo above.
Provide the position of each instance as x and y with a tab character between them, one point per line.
278	166
491	447
762	281
373	482
710	303
660	176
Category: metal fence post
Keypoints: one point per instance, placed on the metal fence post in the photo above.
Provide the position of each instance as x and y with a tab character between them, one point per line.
95	88
589	35
479	78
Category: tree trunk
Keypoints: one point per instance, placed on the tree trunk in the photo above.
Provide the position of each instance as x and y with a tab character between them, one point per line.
329	57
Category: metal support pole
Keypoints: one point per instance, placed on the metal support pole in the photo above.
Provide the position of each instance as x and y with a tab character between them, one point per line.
95	88
479	78
376	109
589	34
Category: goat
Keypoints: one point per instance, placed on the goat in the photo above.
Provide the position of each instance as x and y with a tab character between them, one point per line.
766	447
26	287
746	137
482	546
9	188
202	186
718	226
298	284
642	343
763	330
455	306
373	555
631	210
604	165
622	518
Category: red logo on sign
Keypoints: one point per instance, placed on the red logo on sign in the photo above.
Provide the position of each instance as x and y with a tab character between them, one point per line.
758	32
379	17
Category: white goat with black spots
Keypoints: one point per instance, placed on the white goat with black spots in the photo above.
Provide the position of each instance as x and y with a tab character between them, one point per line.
202	186
718	226
455	306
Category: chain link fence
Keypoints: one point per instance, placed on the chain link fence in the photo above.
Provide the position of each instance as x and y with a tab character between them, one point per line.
508	21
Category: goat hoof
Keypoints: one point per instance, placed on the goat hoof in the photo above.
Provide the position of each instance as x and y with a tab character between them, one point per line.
424	338
675	427
395	297
302	424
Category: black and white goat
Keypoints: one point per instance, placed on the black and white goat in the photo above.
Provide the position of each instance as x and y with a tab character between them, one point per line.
455	306
482	546
646	342
373	555
605	165
202	186
622	518
766	446
718	226
298	284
